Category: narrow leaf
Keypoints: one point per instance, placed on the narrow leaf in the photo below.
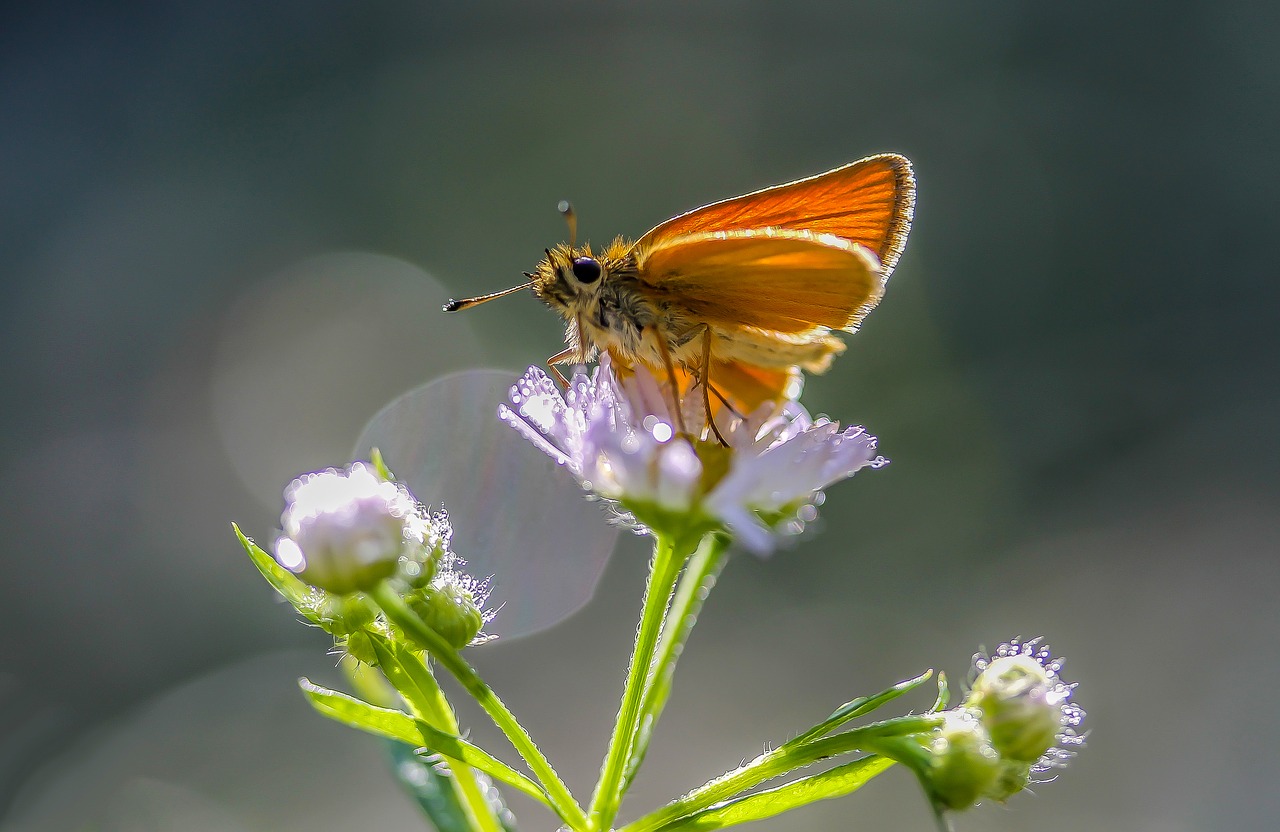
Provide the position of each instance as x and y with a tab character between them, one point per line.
385	722
295	591
430	788
459	749
784	759
398	725
380	465
944	695
860	707
837	782
423	704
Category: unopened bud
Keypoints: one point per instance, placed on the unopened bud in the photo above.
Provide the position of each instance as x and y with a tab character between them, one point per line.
1021	706
964	764
451	609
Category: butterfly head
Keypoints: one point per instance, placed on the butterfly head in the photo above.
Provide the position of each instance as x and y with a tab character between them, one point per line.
571	277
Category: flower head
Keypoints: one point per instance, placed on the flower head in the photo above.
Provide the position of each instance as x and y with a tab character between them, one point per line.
616	432
345	531
1016	722
1023	707
1026	705
963	765
453	604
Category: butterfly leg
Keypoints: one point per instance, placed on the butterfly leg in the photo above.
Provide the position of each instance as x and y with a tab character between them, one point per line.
727	404
560	358
706	384
675	383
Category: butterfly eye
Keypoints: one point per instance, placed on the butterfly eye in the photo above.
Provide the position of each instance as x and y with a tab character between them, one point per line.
586	269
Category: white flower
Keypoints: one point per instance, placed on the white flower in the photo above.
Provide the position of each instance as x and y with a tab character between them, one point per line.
347	530
617	434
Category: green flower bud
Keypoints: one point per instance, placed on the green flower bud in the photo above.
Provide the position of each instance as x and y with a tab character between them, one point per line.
964	765
360	647
1013	778
341	615
1021	706
418	573
450	608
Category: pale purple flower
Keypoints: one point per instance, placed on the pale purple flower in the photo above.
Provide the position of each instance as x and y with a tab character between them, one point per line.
617	435
347	530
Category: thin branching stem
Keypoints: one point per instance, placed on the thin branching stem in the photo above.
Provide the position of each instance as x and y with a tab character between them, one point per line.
398	613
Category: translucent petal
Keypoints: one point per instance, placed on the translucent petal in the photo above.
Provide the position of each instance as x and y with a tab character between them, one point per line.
515	516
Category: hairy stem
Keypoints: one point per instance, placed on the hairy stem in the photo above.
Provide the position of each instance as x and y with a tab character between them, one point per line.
662	577
398	613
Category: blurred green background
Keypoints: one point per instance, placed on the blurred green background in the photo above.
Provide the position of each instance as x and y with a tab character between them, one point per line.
226	232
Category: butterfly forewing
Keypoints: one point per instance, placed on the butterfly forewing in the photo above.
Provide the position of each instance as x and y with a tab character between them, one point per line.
868	202
515	516
774	279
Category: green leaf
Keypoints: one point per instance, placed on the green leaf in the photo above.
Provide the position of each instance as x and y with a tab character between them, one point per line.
425	703
385	722
860	707
430	788
897	733
399	614
398	725
944	695
380	465
301	595
837	782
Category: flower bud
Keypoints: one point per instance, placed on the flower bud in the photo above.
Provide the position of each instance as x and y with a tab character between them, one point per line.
342	615
964	765
359	646
1013	778
451	608
1020	703
346	531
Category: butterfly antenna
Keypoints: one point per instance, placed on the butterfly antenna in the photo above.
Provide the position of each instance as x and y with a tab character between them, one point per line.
467	303
571	219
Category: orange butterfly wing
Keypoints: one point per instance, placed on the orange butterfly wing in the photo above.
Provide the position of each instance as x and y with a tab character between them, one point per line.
793	259
774	279
870	201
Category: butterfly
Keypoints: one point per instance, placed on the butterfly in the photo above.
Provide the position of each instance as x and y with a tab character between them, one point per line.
742	295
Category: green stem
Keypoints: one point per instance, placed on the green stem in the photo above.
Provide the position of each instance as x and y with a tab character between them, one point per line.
435	709
698	579
398	613
662	577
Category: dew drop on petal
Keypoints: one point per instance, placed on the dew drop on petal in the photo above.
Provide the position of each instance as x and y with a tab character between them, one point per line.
662	431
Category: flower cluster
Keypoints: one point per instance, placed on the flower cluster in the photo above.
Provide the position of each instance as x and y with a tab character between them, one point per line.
616	432
346	532
1016	722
